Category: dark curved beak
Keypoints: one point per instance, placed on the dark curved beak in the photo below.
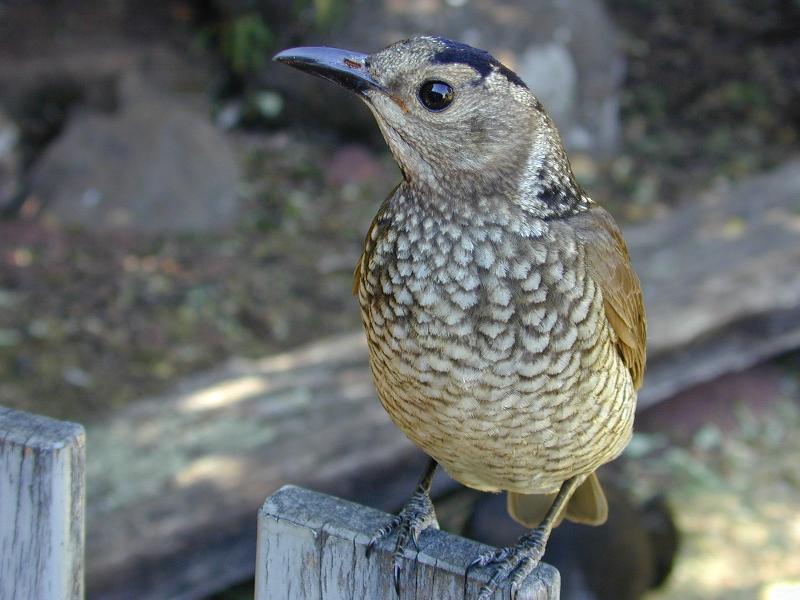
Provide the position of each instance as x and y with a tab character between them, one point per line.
345	67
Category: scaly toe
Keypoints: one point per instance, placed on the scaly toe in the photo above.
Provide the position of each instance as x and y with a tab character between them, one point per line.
520	572
487	558
514	563
382	533
417	516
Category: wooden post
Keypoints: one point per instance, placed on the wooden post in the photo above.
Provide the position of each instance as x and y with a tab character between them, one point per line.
313	547
41	507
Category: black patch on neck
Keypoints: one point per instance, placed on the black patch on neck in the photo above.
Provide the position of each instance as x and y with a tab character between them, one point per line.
480	60
560	200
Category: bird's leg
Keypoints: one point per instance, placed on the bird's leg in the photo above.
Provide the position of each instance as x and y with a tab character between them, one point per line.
415	517
516	562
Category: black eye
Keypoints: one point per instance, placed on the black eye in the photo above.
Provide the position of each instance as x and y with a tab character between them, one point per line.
435	95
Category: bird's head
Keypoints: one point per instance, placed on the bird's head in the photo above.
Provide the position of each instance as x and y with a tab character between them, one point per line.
454	117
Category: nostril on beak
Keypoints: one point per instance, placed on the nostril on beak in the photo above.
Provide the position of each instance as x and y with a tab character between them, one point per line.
345	67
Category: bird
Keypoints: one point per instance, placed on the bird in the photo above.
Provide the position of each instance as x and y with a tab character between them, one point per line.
504	320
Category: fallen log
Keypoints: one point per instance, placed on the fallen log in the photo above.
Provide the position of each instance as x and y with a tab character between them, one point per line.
174	483
721	279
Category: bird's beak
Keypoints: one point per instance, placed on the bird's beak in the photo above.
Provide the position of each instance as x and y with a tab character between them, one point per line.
345	67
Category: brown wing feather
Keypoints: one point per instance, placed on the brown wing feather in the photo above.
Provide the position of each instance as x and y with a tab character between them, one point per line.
357	270
610	266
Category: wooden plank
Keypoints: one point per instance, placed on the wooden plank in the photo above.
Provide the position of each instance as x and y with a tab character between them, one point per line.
174	481
41	507
312	546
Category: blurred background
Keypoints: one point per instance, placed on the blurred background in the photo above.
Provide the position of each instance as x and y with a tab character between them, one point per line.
179	221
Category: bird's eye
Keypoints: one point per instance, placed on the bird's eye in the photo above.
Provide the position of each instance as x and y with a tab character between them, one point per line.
435	95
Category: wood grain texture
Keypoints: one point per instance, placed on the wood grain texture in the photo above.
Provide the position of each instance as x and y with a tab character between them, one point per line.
720	281
41	507
313	547
174	481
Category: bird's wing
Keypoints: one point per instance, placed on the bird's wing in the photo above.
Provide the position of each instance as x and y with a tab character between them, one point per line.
369	244
364	256
610	267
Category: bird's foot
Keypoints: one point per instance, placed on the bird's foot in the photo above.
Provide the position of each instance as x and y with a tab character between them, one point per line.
513	563
417	516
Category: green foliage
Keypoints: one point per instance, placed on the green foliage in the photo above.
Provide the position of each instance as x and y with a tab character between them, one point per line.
326	11
244	41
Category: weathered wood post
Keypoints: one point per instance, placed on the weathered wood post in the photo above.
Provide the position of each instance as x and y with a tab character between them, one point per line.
41	507
312	546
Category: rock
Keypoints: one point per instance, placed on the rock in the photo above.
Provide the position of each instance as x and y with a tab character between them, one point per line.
114	125
157	164
564	49
550	70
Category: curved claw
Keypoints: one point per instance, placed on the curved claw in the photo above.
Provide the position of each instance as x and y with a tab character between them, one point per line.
488	558
513	563
482	560
382	533
397	579
520	572
415	538
488	590
485	593
478	562
416	516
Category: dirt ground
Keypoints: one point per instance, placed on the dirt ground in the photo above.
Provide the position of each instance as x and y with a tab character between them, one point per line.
725	454
91	322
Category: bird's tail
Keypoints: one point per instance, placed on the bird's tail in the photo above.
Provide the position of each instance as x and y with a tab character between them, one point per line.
587	505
